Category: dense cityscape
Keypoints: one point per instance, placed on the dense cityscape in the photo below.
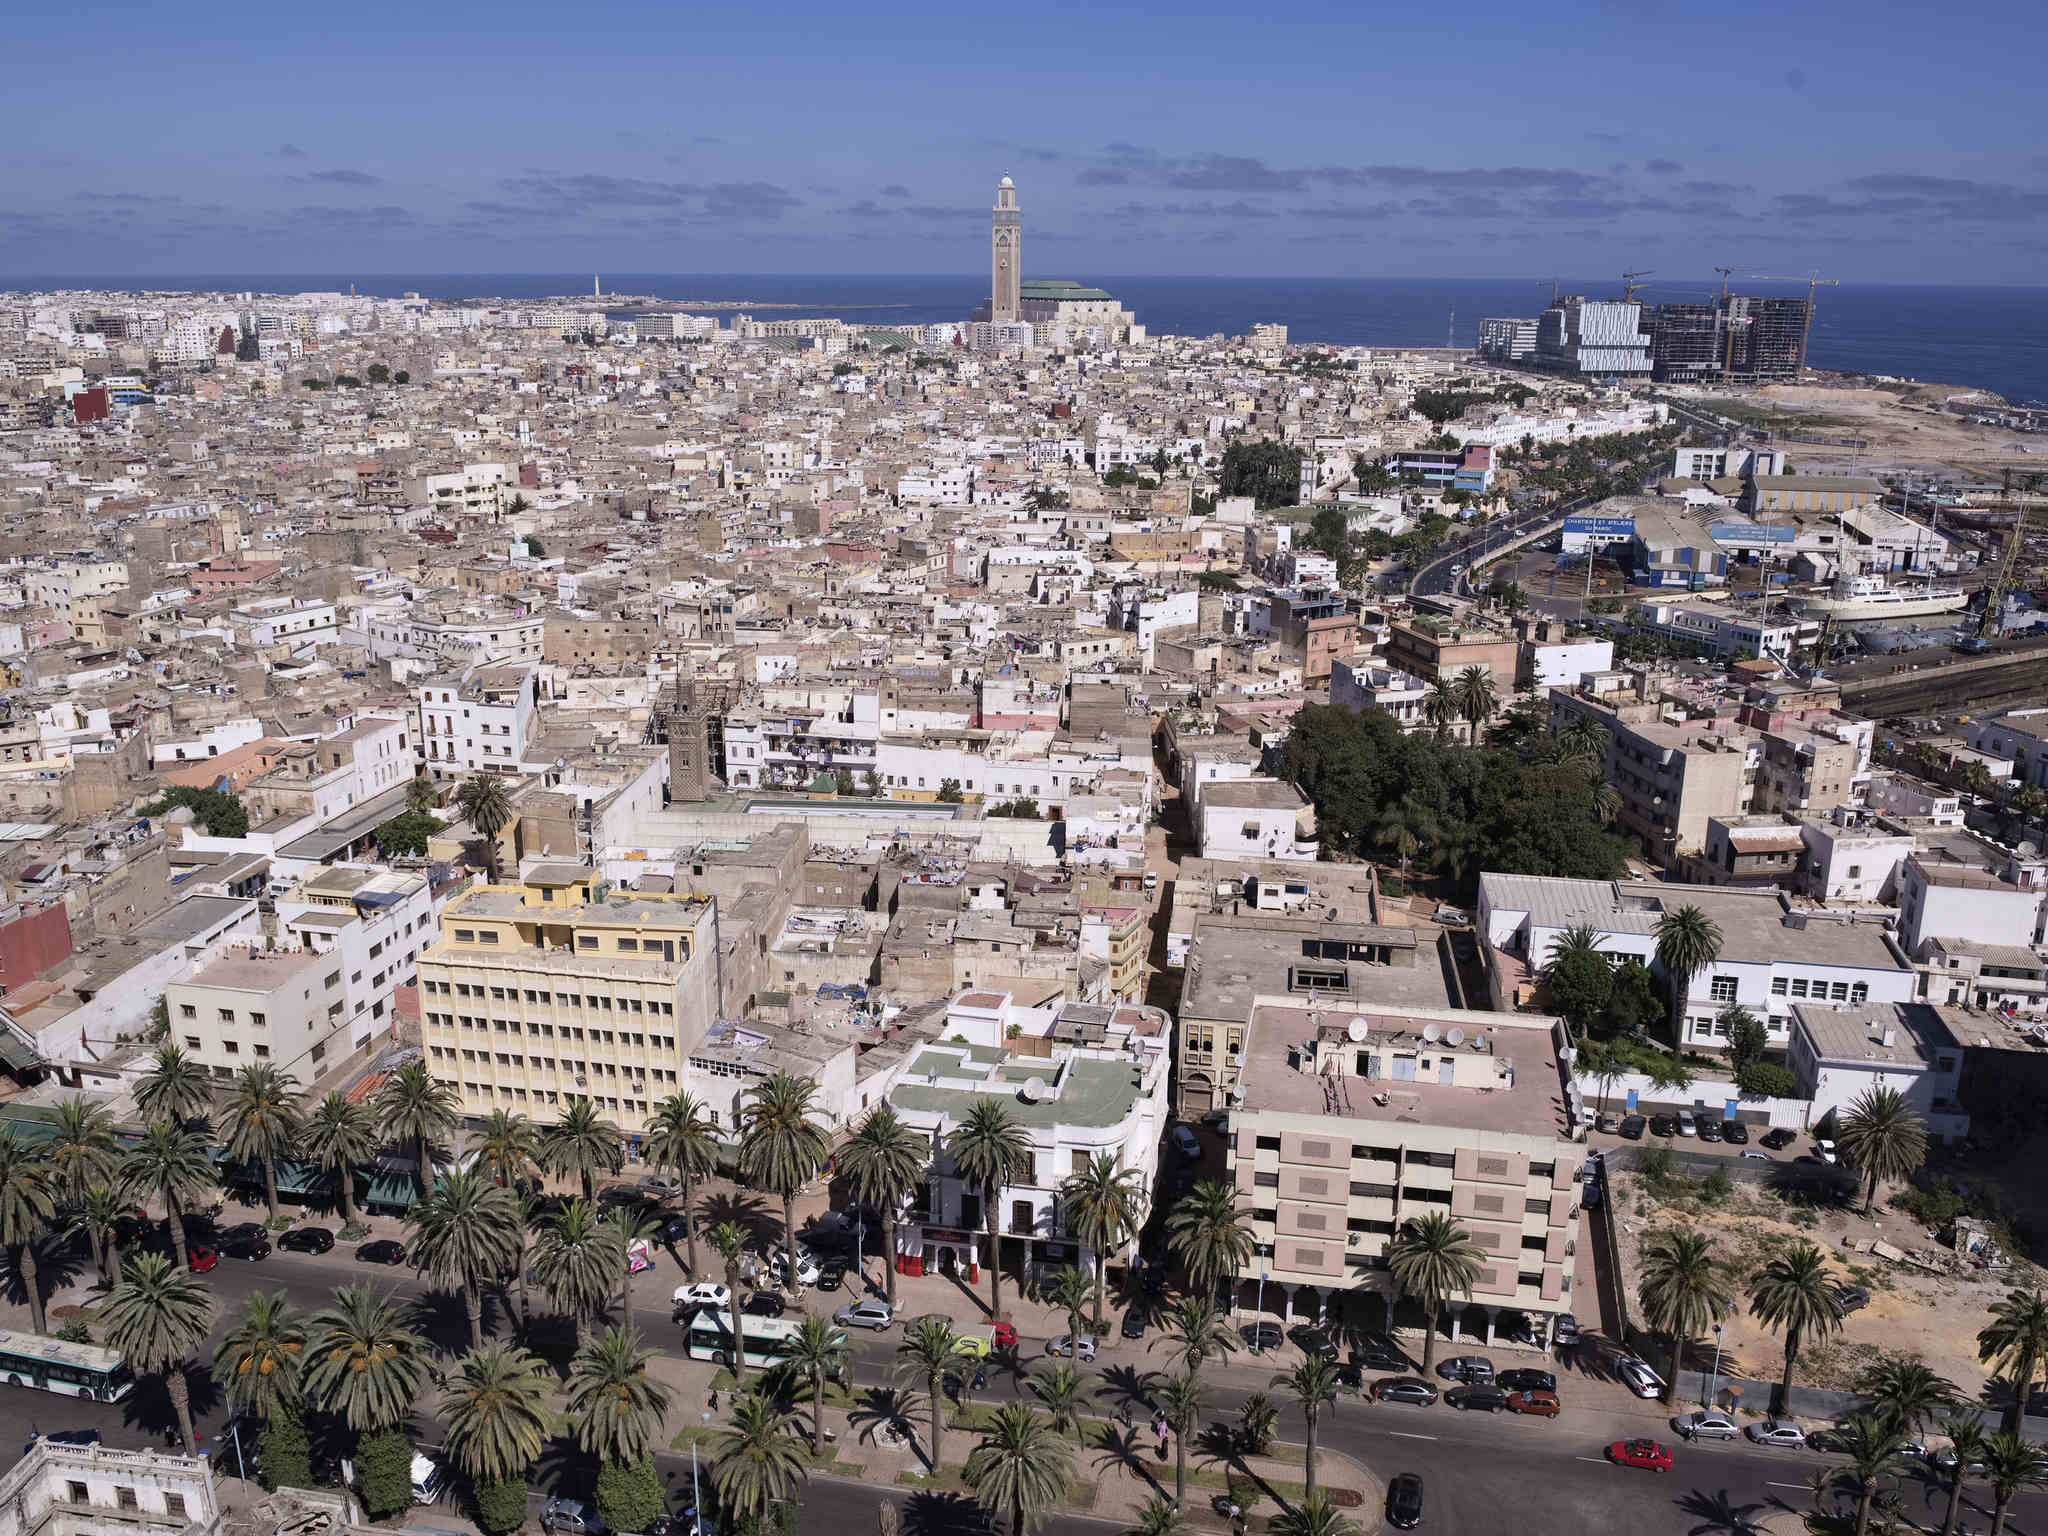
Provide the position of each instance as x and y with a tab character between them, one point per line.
1014	922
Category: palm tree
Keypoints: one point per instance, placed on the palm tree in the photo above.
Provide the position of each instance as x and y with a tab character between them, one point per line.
174	1088
1196	1330
2016	1341
1607	802
1160	1516
624	1226
1966	1438
98	1214
1882	1139
170	1160
782	1146
730	1239
1021	1463
1313	1516
82	1150
1313	1383
1874	1448
1580	938
1183	1399
1210	1233
497	1413
760	1461
420	794
572	1262
883	1161
1683	1287
1688	941
157	1316
263	1122
818	1349
681	1137
339	1136
614	1402
989	1148
1063	1392
1103	1204
1440	706
1477	700
506	1146
414	1107
583	1143
1432	1258
1793	1294
927	1354
27	1208
1905	1394
258	1361
486	806
464	1232
1070	1291
2010	1463
362	1362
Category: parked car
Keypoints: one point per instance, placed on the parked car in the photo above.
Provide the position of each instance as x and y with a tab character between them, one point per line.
1663	1125
1134	1323
764	1304
1735	1133
1526	1381
1185	1142
1262	1335
570	1517
1710	1128
1381	1358
1404	1502
1311	1340
1566	1333
1466	1368
382	1251
307	1240
661	1186
1645	1453
247	1241
1632	1127
675	1229
1537	1403
1687	1125
1590	1200
832	1273
1779	1139
1403	1389
1944	1462
865	1314
429	1477
1608	1124
1852	1297
202	1261
1761	1157
1454	917
1824	1149
1778	1432
1710	1424
1483	1396
701	1293
1638	1377
1079	1346
807	1267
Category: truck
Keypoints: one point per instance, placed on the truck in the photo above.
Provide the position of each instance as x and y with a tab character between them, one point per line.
986	1339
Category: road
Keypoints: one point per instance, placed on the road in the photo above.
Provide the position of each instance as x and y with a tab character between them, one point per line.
1437	577
1482	1474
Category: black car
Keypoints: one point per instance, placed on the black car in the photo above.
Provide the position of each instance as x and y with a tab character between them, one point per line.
1663	1125
1779	1139
1262	1335
247	1241
832	1273
1632	1127
307	1240
1404	1389
1471	1369
1735	1133
1485	1398
1378	1357
1134	1323
764	1304
1312	1341
1404	1502
674	1230
1526	1381
1710	1128
1852	1297
382	1251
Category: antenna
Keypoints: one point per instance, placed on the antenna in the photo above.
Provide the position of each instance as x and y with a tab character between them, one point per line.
1451	335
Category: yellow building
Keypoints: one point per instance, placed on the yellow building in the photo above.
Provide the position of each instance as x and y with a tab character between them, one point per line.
558	989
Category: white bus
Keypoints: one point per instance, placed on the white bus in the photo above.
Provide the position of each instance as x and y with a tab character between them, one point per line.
76	1370
767	1340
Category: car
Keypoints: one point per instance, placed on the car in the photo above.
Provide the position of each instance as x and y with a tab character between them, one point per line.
1761	1157
1709	1424
1566	1333
248	1241
1710	1128
995	1338
1454	917
808	1269
1311	1340
66	1437
202	1261
1185	1142
1632	1127
382	1251
1151	881
1687	1125
1472	1369
570	1517
865	1314
1609	1123
1643	1452
674	1230
832	1274
1404	1502
1779	1139
1591	1199
1134	1323
1526	1381
1536	1402
429	1477
1378	1357
307	1240
1482	1396
764	1304
701	1293
1944	1462
1735	1133
660	1186
1080	1346
1824	1150
1854	1298
1262	1335
1777	1432
1663	1125
1403	1389
1638	1377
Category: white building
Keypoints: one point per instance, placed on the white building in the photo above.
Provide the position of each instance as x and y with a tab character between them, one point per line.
1256	819
1987	902
1839	1054
284	621
1358	686
481	722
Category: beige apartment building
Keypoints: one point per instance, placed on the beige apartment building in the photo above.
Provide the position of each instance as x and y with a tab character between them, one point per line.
560	989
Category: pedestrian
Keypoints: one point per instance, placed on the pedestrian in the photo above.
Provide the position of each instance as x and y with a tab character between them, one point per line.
714	1399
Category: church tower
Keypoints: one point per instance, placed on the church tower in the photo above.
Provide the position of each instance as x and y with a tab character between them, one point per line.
1006	255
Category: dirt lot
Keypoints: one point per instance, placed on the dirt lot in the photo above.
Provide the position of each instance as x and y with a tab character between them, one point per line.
1932	1317
1904	430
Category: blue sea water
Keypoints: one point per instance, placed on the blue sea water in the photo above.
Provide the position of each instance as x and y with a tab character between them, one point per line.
1990	338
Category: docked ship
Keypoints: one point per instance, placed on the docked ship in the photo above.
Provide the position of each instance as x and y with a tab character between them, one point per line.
1853	599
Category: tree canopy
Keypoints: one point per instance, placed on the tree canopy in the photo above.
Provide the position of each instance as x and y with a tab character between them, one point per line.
1266	471
218	813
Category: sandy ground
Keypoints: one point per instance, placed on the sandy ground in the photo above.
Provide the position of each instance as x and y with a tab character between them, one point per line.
1904	431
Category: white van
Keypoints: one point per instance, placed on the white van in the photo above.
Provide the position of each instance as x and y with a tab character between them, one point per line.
429	1477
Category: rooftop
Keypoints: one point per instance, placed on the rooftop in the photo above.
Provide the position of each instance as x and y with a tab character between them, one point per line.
1895	1034
1083	1090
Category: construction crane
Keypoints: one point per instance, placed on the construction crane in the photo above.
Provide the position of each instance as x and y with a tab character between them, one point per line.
2001	583
1813	280
1630	282
1726	273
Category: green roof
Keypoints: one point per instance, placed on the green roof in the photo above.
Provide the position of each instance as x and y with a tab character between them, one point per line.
1095	1093
1057	288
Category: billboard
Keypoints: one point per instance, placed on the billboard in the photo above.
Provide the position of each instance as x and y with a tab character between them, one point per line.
1602	527
1752	533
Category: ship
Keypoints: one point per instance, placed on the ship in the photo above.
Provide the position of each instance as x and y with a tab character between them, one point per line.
1854	599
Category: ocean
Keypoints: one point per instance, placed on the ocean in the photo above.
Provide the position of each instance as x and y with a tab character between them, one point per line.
1989	338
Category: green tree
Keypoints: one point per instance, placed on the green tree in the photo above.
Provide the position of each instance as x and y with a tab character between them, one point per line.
1874	1449
1258	1419
629	1496
2014	1343
217	813
27	1211
340	1136
782	1145
401	377
573	1263
1314	1384
258	1360
261	1119
1688	941
1882	1139
284	1456
1183	1399
174	1088
1195	1330
1266	471
1433	1258
1070	1291
487	806
989	1149
377	373
82	1150
170	1160
1745	1033
581	1145
1314	1515
1440	706
384	1474
949	792
158	1317
421	796
496	1408
414	1107
1021	1465
1579	984
1967	1440
1160	1516
99	1214
759	1460
1477	700
818	1349
1103	1204
405	835
1793	1295
1905	1394
927	1354
682	1139
1209	1231
2010	1464
464	1232
1063	1392
1634	1005
1330	531
506	1147
883	1161
1683	1286
615	1404
362	1362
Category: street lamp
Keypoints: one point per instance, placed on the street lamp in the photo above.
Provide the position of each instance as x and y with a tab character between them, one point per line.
1715	1377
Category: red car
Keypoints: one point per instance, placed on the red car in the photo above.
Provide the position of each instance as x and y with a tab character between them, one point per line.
1535	1401
1640	1453
202	1260
1004	1336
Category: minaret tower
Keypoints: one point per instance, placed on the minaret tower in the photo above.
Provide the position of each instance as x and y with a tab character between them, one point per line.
1005	256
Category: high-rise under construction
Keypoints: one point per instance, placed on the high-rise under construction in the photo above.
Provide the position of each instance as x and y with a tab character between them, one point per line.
1733	338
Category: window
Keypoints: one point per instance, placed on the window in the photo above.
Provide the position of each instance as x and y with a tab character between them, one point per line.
586	941
1778	986
231	1047
187	1011
1859	992
487	936
1838	991
1722	989
1799	986
257	1018
465	935
628	946
191	1042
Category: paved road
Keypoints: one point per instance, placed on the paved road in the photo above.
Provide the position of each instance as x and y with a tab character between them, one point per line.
1437	577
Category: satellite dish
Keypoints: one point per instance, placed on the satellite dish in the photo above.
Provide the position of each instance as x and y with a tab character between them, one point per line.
1357	1029
1431	1033
1034	1089
2026	850
1479	1041
1455	1037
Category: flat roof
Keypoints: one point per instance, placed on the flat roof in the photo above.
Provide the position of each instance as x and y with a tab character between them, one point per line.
1092	1091
1258	794
1855	1036
257	970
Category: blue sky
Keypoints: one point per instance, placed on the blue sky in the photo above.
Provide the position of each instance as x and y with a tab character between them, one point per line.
1878	142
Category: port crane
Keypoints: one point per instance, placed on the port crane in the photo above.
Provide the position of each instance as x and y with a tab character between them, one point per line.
2008	567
